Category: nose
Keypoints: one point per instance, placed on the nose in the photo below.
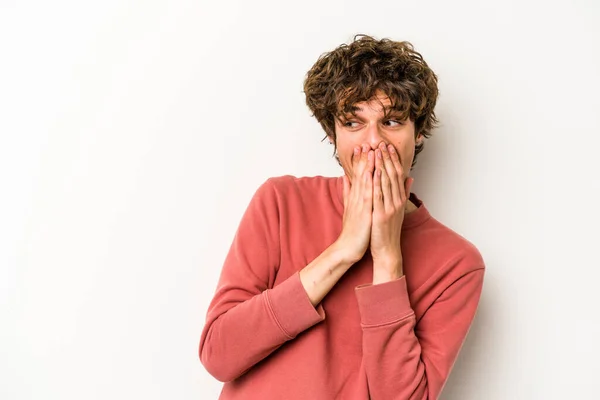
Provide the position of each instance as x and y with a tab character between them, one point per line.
375	136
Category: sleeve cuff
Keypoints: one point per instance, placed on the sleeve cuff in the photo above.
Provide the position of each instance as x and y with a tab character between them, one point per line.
383	303
291	307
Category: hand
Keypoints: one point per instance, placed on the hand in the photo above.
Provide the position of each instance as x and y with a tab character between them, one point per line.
358	205
390	196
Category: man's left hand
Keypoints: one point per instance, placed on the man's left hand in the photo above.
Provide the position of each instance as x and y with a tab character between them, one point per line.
391	188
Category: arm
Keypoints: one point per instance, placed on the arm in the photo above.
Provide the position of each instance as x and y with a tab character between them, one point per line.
403	359
248	318
246	300
319	277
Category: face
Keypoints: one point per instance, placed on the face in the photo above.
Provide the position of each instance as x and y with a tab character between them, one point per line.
370	128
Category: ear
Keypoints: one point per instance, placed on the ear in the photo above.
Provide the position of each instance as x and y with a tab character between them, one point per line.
419	139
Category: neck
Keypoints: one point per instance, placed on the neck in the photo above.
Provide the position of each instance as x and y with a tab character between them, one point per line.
410	207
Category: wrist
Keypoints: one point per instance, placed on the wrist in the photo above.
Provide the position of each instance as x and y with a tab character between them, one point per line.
345	257
387	270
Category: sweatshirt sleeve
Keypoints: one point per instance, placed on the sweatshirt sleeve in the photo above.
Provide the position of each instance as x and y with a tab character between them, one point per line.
248	318
406	360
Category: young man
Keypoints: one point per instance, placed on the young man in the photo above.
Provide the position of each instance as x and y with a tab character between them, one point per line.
347	288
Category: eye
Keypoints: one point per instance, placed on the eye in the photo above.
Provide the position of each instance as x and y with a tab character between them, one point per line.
348	124
393	122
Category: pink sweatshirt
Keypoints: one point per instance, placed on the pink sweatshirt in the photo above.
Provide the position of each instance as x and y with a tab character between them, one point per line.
396	340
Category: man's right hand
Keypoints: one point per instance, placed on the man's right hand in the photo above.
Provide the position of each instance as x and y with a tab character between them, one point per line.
354	239
323	272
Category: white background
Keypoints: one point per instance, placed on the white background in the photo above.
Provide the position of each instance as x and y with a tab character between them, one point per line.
133	134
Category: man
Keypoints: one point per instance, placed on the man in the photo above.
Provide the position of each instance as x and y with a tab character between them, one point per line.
347	288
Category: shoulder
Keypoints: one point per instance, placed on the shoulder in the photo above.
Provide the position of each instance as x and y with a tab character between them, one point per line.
302	181
460	255
289	184
313	194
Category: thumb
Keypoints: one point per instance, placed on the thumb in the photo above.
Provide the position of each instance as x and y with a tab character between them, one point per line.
346	190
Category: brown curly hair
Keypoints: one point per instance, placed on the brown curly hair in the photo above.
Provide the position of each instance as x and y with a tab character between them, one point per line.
353	72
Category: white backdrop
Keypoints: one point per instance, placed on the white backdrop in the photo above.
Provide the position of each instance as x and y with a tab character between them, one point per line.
133	134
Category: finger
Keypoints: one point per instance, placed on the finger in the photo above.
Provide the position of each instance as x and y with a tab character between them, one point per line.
346	190
367	191
377	192
353	161
400	181
364	155
371	162
386	188
360	160
355	156
378	159
370	184
356	184
368	171
392	174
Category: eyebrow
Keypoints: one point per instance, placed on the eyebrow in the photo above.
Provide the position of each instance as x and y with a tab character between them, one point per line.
387	110
356	108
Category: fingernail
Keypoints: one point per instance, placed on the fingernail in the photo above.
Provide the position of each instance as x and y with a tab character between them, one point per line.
356	151
391	148
379	153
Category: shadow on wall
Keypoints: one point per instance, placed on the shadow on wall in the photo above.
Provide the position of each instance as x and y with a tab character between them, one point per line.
467	377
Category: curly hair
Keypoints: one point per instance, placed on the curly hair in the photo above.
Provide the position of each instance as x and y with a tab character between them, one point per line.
353	72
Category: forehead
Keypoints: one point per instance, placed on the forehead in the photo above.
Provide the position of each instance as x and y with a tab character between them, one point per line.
372	106
380	102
